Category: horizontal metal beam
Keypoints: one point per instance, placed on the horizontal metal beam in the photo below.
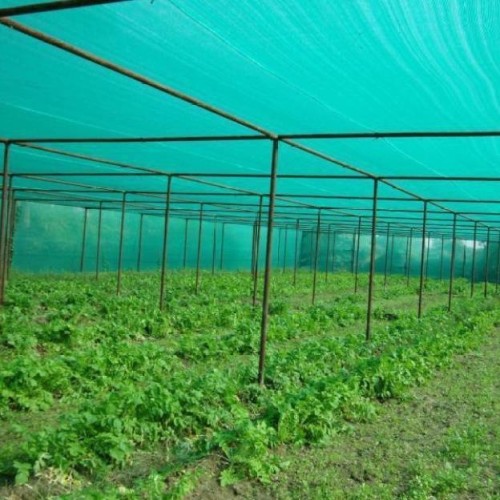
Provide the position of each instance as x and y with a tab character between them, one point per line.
189	175
43	191
438	178
249	137
395	135
37	8
135	140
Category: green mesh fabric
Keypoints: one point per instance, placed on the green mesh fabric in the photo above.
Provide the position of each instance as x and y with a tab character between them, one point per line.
288	67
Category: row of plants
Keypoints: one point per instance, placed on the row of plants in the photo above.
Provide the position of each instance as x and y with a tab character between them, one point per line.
99	379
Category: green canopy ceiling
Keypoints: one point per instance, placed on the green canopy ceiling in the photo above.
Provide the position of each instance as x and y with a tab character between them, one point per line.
349	66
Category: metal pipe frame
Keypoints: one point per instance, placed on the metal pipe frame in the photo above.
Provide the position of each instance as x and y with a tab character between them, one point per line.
254	237
391	258
386	258
409	258
10	241
286	139
356	266
497	279
407	248
164	255
353	251
311	250
296	253
120	247
333	250
84	239
186	98
249	137
285	242
214	244
422	262
427	256
38	8
198	252
464	260
221	263
304	207
441	262
8	222
473	268
452	262
268	265
98	243
316	252
373	251
327	257
3	219
257	253
279	248
486	265
184	258
283	214
139	242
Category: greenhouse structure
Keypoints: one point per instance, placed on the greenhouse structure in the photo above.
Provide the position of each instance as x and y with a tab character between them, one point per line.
305	140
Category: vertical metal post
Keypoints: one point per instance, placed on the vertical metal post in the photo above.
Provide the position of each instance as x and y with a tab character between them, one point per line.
327	258
391	258
422	262
285	243
184	257
10	241
269	252
8	232
316	252
84	239
259	225
164	254
139	243
486	263
498	265
473	270
464	258
3	219
452	260
257	253
386	259
373	250
279	247
441	262
198	253
120	247
311	252
427	257
356	267
405	268
214	245
333	250
295	260
98	245
222	239
353	251
409	258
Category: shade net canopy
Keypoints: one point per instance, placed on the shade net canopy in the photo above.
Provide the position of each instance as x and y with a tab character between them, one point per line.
298	71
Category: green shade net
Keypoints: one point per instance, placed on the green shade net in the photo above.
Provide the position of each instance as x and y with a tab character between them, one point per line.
289	67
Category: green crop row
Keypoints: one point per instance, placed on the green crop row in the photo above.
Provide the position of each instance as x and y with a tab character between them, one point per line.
122	377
